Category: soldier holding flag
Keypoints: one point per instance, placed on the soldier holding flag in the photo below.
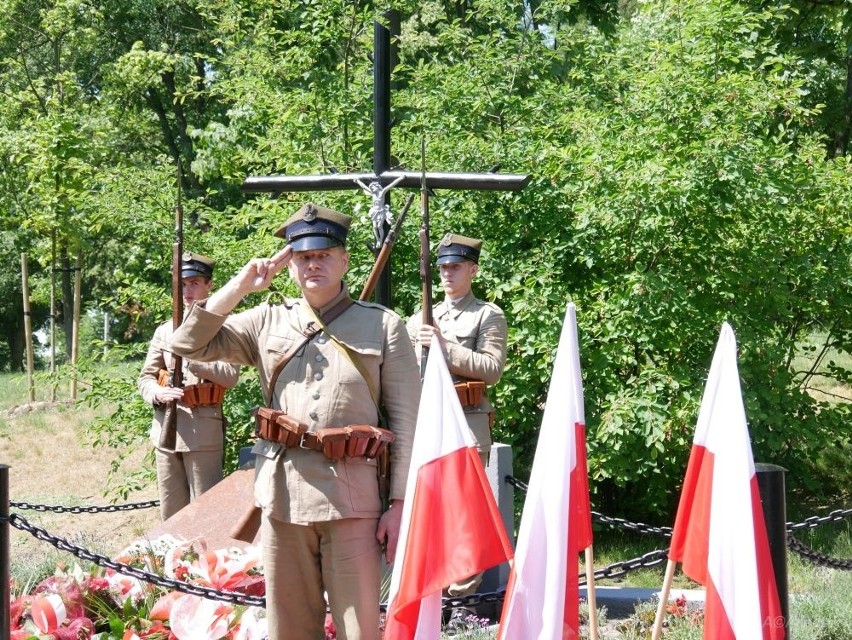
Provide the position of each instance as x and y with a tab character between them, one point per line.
473	336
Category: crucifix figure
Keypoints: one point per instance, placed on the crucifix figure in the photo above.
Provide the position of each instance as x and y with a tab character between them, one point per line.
380	213
378	183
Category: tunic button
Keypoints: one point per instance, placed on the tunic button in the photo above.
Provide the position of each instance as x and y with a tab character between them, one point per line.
321	339
319	357
313	415
316	395
318	376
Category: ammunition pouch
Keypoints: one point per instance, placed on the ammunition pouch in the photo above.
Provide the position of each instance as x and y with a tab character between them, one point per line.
352	441
203	394
470	392
277	426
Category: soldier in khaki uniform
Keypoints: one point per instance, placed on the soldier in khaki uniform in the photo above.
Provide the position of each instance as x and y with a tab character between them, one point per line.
473	336
195	464
322	527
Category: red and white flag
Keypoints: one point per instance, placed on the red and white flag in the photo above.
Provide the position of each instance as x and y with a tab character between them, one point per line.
451	527
542	598
719	534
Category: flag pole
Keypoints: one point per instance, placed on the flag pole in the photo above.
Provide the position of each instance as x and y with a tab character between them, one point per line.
591	596
664	599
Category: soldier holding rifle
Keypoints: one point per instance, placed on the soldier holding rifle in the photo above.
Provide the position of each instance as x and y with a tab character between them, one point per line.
329	367
473	335
191	463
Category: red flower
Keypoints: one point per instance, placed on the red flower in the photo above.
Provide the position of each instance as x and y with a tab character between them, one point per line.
330	629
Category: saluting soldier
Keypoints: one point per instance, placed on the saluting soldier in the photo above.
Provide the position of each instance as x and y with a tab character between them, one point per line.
473	335
195	464
322	527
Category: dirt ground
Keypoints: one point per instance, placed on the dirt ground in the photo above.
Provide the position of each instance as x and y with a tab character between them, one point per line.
50	464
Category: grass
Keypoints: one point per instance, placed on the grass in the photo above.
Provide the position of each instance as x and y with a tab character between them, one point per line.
50	464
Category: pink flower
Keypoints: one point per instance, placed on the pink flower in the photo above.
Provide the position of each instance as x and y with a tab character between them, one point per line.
196	618
48	612
77	629
330	629
252	625
162	608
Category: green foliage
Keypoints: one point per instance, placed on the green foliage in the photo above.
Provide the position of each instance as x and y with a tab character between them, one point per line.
681	176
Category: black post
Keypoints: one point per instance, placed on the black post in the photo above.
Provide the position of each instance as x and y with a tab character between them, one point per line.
381	133
5	565
770	482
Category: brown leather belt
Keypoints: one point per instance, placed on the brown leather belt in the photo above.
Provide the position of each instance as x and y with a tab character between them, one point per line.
203	394
351	441
470	392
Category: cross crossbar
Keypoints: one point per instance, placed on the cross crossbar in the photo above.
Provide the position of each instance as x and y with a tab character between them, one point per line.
340	181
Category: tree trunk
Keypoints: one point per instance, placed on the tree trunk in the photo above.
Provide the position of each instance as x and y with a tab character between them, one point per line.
841	137
65	272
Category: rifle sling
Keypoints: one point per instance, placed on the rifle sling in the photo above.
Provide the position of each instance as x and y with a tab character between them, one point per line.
308	334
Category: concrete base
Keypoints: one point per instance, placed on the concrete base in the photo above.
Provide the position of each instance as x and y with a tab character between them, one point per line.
621	601
214	514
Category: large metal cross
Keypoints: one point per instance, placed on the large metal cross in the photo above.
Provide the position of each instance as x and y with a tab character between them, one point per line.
379	182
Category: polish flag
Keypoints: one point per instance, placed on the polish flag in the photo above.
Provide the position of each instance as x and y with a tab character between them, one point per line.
451	527
719	534
542	598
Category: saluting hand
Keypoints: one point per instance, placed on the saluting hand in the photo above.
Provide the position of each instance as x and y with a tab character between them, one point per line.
260	271
256	275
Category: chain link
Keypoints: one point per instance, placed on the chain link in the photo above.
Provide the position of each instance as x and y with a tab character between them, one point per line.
815	556
102	561
111	508
615	570
814	521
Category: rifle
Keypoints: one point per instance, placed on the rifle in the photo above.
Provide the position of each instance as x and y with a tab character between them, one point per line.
168	432
425	257
384	254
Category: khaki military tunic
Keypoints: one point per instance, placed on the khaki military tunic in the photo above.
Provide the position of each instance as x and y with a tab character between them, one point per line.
476	335
200	428
322	388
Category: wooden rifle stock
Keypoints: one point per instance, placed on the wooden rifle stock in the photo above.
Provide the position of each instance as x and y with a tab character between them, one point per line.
384	253
249	524
168	431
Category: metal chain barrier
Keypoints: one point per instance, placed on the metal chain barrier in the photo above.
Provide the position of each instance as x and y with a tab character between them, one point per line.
814	521
112	508
62	544
615	570
815	556
793	544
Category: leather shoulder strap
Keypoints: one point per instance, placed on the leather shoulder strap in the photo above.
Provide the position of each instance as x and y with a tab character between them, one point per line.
307	335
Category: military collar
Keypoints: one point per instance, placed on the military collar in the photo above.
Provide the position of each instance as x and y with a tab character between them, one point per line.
344	293
456	307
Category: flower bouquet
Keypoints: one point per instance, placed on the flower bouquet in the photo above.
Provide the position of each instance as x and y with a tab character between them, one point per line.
106	605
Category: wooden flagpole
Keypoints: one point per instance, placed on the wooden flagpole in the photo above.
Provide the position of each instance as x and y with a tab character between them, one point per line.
591	596
664	600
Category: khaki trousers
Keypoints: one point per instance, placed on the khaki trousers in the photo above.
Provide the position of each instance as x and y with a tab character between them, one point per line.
341	558
182	476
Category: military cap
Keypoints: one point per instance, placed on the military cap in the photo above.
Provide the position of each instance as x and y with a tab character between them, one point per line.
456	248
313	227
195	264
